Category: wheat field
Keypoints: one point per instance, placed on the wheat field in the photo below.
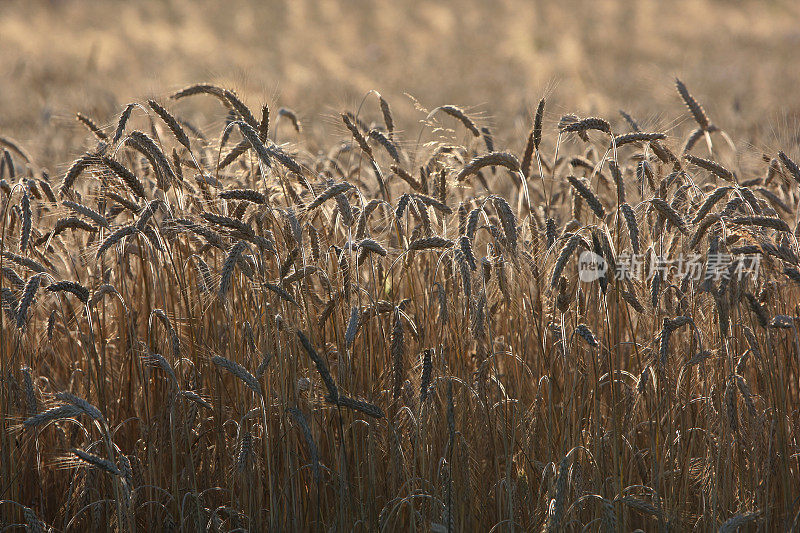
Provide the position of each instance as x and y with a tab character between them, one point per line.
534	296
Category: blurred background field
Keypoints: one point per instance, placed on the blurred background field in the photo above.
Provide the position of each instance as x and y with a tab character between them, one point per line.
319	57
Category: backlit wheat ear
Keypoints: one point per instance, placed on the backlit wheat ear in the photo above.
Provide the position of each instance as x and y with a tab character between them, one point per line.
527	156
239	371
433	202
30	393
98	462
313	236
774	199
126	176
633	301
402	203
16	281
550	231
298	416
465	246
87	212
85	407
695	136
584	332
763	222
386	143
227	268
664	154
234	153
586	193
738	521
25	233
363	217
284	159
72	287
77	168
172	124
507	219
6	168
34	525
345	209
472	222
750	198
503	159
24	262
697	110
263	124
330	192
248	195
669	213
250	134
407	177
359	138
488	139
790	165
733	205
173	334
48	191
711	200
321	365
122	123
200	88
25	301
63	224
537	124
55	413
352	326
678	322
633	226
429	243
12	145
158	360
563	257
147	213
144	144
245	456
638	137
372	246
196	398
242	110
357	405
386	111
357	122
711	166
282	293
114	238
291	116
458	113
556	507
425	379
616	173
591	123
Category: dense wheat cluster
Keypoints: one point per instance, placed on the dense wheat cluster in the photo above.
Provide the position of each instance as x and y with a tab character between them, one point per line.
254	328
